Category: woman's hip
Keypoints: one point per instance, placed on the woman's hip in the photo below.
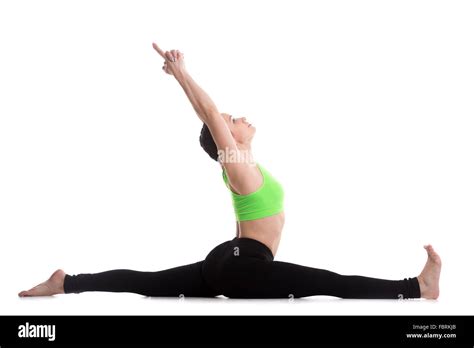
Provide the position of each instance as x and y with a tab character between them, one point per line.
231	262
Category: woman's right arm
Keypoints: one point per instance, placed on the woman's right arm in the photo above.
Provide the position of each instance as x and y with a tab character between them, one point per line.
201	102
210	115
240	173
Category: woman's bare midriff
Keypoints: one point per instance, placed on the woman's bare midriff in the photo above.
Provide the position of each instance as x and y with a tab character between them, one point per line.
266	230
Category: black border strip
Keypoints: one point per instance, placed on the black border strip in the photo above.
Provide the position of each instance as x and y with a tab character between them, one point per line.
224	330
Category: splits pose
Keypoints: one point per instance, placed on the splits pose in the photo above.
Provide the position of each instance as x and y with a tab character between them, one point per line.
243	267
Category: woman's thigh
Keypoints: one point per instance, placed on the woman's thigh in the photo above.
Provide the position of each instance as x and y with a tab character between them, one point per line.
255	278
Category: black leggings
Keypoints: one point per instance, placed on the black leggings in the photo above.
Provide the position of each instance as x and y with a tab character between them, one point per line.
242	268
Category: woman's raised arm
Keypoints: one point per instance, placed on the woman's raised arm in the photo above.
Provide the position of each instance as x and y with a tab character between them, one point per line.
201	102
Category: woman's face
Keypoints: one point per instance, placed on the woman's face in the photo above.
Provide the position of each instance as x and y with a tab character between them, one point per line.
241	130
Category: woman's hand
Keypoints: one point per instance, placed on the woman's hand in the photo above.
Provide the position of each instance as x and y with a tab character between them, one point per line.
174	60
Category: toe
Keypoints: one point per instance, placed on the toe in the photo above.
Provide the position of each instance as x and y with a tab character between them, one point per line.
432	252
24	293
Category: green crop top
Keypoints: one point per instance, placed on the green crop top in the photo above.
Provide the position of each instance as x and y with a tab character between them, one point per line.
267	200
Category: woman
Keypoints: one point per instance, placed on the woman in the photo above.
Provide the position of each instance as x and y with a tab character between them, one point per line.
243	267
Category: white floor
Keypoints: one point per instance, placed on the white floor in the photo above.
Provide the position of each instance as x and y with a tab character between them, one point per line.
99	303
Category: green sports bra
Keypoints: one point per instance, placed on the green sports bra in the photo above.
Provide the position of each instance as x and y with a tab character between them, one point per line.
267	200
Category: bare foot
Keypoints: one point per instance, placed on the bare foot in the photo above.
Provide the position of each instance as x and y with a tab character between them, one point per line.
429	277
54	285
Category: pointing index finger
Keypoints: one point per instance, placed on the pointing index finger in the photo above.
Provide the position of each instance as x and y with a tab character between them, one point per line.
157	49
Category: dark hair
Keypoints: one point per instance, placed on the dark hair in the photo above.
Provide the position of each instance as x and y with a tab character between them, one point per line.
207	142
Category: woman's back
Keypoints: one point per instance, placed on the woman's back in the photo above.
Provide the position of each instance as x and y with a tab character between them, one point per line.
259	213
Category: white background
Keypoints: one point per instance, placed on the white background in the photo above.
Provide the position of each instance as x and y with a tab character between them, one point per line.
364	111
